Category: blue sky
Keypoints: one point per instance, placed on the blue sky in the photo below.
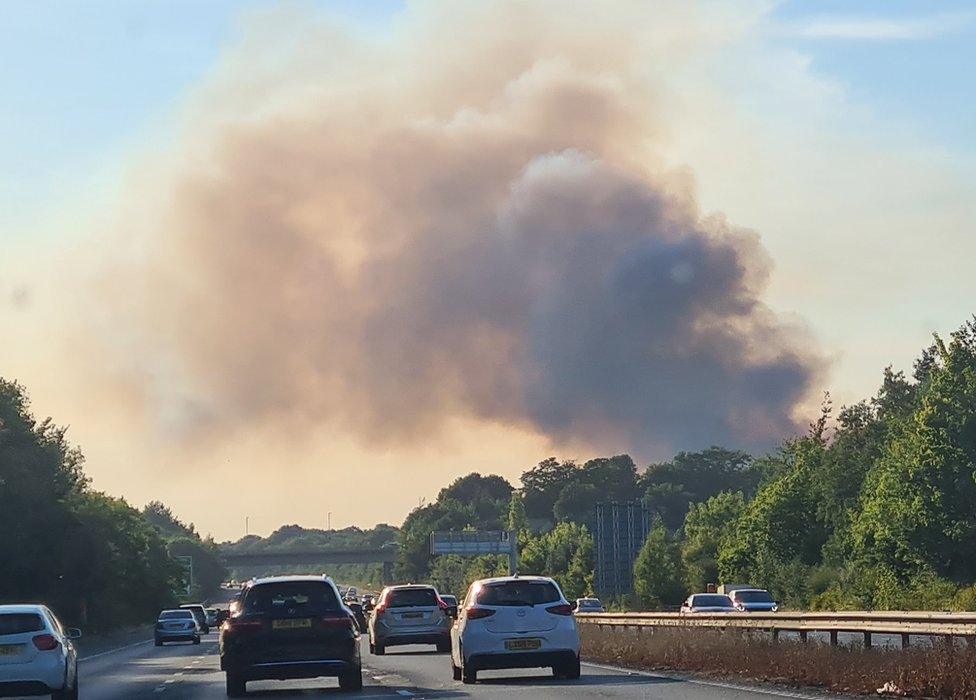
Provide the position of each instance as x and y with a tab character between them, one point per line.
85	79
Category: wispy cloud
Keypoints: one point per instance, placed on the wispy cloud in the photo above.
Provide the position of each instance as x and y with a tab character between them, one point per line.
880	29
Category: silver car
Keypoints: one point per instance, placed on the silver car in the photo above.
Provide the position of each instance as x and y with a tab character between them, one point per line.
708	603
409	615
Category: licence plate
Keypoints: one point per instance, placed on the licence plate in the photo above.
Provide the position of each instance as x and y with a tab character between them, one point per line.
291	624
10	649
412	616
513	644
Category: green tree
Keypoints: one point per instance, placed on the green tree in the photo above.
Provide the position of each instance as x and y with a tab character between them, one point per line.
707	525
577	503
658	574
917	510
693	477
542	485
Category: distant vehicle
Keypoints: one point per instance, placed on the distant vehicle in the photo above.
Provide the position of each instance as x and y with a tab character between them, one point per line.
290	627
37	656
515	622
588	605
413	614
357	610
368	603
212	617
753	600
352	593
222	615
178	625
707	603
200	613
452	605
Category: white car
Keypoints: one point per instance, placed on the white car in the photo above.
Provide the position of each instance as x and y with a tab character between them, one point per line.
515	622
36	653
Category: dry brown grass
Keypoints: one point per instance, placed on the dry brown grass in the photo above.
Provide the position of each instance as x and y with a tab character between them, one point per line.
943	671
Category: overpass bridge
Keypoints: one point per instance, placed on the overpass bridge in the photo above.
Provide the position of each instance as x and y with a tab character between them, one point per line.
311	557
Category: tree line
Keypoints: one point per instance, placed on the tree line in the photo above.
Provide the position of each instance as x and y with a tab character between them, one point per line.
96	560
874	507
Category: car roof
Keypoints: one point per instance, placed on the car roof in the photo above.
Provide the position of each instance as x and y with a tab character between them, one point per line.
23	608
506	579
411	587
748	590
187	606
176	610
307	578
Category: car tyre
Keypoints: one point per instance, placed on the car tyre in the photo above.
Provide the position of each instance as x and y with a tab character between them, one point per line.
379	649
352	680
236	686
67	693
570	671
159	642
196	640
468	675
455	671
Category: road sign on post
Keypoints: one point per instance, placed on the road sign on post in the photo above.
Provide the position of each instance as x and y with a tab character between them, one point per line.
474	543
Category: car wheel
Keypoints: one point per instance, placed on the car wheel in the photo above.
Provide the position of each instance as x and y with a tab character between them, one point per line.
67	693
352	680
236	686
455	671
196	640
159	642
570	670
379	649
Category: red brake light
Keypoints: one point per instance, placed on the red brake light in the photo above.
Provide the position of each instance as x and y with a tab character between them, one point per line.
337	622
566	609
478	613
46	642
239	625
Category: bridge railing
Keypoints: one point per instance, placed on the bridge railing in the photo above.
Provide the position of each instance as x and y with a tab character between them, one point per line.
905	624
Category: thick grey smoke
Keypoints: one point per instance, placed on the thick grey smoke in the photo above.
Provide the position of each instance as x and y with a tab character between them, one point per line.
384	238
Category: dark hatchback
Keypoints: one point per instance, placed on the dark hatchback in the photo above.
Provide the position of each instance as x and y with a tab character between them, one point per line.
290	627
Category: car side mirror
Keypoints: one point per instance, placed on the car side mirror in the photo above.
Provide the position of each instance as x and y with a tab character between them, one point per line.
72	633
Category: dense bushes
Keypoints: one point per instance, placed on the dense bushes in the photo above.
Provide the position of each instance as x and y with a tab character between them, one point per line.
90	556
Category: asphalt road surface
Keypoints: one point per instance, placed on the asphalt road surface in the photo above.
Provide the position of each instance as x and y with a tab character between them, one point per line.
192	671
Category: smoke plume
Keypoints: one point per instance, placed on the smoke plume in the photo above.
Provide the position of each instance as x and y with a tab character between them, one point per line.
466	218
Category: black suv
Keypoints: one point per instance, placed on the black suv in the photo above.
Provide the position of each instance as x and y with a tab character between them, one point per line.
290	627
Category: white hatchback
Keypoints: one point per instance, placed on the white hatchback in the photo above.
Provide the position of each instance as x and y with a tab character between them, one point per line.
36	653
515	622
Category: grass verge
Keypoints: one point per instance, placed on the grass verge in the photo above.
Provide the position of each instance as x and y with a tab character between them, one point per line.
943	671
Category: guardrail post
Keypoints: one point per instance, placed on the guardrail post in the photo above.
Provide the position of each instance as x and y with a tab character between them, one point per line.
775	633
803	635
833	638
906	640
867	640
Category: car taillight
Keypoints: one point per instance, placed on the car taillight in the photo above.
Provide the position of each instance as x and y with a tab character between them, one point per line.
337	622
565	609
379	610
478	613
46	642
240	625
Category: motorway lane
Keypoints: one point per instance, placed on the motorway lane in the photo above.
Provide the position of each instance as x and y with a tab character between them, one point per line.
191	672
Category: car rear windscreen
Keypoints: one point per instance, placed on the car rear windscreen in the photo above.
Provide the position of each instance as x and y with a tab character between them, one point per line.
754	596
176	615
411	597
518	593
711	601
18	623
291	597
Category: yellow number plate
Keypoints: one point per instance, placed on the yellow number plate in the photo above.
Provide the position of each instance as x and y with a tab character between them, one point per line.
290	624
10	649
513	644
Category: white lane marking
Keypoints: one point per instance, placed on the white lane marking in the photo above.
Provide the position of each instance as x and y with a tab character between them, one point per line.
170	680
113	651
179	673
713	684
